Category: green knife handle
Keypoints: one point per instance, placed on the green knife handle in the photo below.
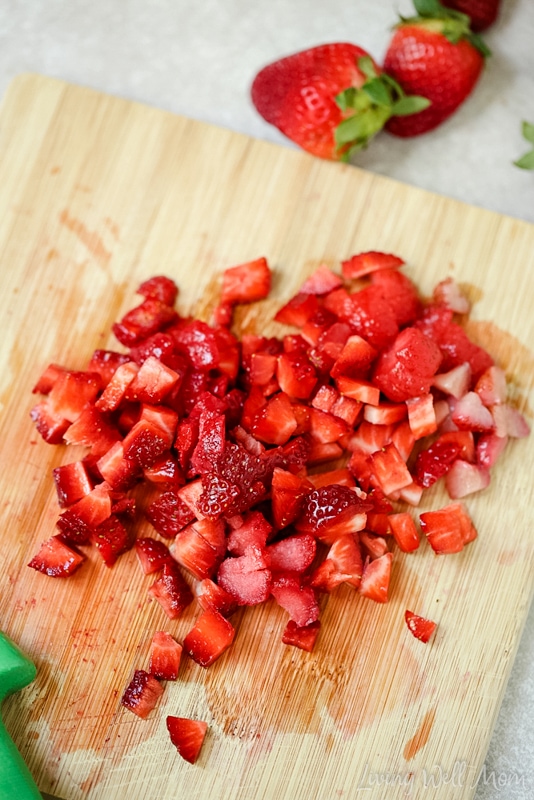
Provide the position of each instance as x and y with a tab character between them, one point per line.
16	671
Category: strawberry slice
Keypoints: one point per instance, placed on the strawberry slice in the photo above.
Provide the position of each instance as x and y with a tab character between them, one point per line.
295	553
287	496
165	656
169	514
187	735
251	530
246	283
443	529
208	639
200	547
79	520
161	288
152	382
455	382
141	322
142	693
375	578
111	538
296	375
322	281
420	627
56	559
115	390
390	470
276	422
407	367
343	564
171	590
464	478
298	310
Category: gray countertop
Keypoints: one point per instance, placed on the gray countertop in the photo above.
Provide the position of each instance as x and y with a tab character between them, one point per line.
198	59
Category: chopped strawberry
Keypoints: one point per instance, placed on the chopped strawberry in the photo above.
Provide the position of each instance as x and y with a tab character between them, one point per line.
406	368
253	530
50	425
332	511
198	342
491	386
373	545
343	564
200	547
297	599
404	531
400	293
443	530
375	578
247	578
385	413
276	422
48	378
111	538
119	472
509	421
296	375
421	415
92	429
144	443
358	389
287	496
72	482
390	470
165	470
72	391
455	382
298	310
161	288
153	381
434	462
208	639
322	281
152	554
470	414
355	359
489	448
142	693
372	317
165	656
115	390
187	735
302	637
420	627
325	427
364	263
79	520
247	282
212	596
169	514
143	321
464	478
56	558
295	553
171	591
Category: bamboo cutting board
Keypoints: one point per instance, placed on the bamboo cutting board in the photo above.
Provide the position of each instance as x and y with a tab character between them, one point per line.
97	194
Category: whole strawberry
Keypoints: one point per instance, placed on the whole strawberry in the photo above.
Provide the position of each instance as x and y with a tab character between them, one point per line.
436	55
482	13
331	100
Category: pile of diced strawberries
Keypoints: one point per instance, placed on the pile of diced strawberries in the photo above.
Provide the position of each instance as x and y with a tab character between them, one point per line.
282	466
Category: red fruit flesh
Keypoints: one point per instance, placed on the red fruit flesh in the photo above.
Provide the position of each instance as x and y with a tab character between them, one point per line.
187	735
420	627
165	656
208	639
142	693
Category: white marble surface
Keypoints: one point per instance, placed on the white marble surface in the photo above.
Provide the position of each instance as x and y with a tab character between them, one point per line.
198	57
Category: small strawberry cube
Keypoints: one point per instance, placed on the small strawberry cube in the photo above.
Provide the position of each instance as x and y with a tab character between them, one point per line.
72	482
92	429
152	554
470	414
200	547
443	530
246	283
296	375
142	693
208	639
144	443
390	469
464	478
358	389
421	415
407	367
322	281
298	600
141	322
115	390
275	423
247	578
79	520
152	383
72	391
165	656
111	538
298	310
50	425
294	554
376	577
161	288
187	735
302	637
56	559
172	591
355	359
332	511
420	627
287	496
404	531
252	530
212	596
364	263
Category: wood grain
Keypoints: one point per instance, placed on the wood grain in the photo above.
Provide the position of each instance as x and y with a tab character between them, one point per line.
98	193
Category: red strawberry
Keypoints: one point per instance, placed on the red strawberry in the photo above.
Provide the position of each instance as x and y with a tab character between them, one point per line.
436	55
187	735
171	590
303	637
165	656
142	693
420	627
56	559
482	13
210	636
152	554
330	100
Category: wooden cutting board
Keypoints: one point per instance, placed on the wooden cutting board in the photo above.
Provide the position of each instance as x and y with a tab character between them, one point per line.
97	194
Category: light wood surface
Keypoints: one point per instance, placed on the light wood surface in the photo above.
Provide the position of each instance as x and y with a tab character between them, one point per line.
97	194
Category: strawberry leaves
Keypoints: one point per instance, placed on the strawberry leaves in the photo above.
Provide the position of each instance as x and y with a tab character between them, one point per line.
453	24
526	161
369	107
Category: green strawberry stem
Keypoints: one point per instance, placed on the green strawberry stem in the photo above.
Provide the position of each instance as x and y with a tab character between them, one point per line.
369	107
527	160
454	25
